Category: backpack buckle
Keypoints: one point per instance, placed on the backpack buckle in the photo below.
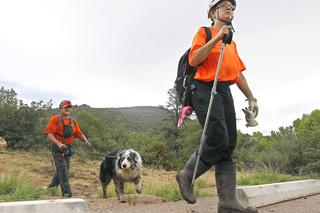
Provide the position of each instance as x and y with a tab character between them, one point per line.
185	81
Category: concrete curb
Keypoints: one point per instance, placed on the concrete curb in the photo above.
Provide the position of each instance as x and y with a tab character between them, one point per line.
74	205
263	195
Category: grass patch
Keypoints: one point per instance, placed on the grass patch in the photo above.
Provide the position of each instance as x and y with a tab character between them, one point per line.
129	188
265	176
171	192
53	191
13	188
131	199
163	184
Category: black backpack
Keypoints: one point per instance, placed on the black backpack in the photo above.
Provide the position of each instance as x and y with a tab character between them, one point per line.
185	76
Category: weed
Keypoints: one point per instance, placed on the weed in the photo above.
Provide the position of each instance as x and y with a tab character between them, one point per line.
53	191
265	176
132	199
13	188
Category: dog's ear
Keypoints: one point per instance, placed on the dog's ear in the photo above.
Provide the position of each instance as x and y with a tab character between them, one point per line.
134	157
120	153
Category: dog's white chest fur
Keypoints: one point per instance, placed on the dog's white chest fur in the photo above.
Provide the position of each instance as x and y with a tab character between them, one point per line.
128	174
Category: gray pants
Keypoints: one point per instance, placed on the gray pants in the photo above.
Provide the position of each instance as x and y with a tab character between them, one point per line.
61	175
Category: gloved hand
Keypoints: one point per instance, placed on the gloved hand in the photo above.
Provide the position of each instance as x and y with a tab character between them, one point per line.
63	147
251	112
88	144
253	106
250	117
227	39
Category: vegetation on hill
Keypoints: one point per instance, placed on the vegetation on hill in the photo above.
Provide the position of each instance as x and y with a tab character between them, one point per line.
153	133
26	175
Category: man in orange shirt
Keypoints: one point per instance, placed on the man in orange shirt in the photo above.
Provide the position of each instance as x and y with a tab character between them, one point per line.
61	132
221	134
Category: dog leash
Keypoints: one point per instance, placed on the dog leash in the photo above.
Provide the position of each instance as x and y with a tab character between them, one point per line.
103	156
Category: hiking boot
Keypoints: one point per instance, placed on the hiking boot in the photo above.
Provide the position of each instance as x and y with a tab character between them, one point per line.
66	190
186	190
51	186
66	195
64	181
184	178
226	188
54	182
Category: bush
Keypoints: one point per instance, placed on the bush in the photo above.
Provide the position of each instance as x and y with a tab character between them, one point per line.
311	169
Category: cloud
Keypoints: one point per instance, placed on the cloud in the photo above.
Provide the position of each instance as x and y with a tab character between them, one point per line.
125	53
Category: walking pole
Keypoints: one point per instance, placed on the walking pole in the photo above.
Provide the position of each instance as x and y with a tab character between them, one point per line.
52	164
213	93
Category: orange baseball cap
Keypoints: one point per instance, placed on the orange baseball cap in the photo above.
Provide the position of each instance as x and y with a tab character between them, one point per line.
65	103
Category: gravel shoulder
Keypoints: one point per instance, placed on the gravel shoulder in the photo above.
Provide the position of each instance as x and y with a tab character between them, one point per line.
309	204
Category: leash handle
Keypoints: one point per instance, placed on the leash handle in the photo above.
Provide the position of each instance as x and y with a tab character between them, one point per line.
227	38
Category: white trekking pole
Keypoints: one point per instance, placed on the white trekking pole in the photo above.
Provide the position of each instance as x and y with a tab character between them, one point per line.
213	93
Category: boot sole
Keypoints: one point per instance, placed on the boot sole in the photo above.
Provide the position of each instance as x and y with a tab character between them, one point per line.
182	195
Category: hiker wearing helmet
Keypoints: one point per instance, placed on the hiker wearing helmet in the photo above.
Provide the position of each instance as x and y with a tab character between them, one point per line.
221	132
61	132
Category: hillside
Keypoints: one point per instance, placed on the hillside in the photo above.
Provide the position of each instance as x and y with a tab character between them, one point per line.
139	118
151	131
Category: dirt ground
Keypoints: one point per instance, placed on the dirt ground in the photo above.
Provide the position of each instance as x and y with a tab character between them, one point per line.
37	170
309	204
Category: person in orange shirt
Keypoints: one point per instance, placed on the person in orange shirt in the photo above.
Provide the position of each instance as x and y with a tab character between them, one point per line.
61	132
221	134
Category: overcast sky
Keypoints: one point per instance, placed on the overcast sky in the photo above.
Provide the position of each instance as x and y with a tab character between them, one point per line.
110	53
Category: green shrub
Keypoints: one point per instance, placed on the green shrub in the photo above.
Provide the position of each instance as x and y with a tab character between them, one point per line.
312	169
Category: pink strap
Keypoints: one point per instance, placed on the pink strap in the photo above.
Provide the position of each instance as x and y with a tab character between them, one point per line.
183	114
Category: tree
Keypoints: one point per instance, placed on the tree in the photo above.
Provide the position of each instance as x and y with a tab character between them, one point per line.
173	105
307	147
91	125
20	124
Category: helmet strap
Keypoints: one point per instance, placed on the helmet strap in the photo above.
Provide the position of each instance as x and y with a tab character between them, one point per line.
229	23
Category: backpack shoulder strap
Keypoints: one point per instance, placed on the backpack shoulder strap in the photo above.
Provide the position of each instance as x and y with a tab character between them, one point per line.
59	120
71	120
208	33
